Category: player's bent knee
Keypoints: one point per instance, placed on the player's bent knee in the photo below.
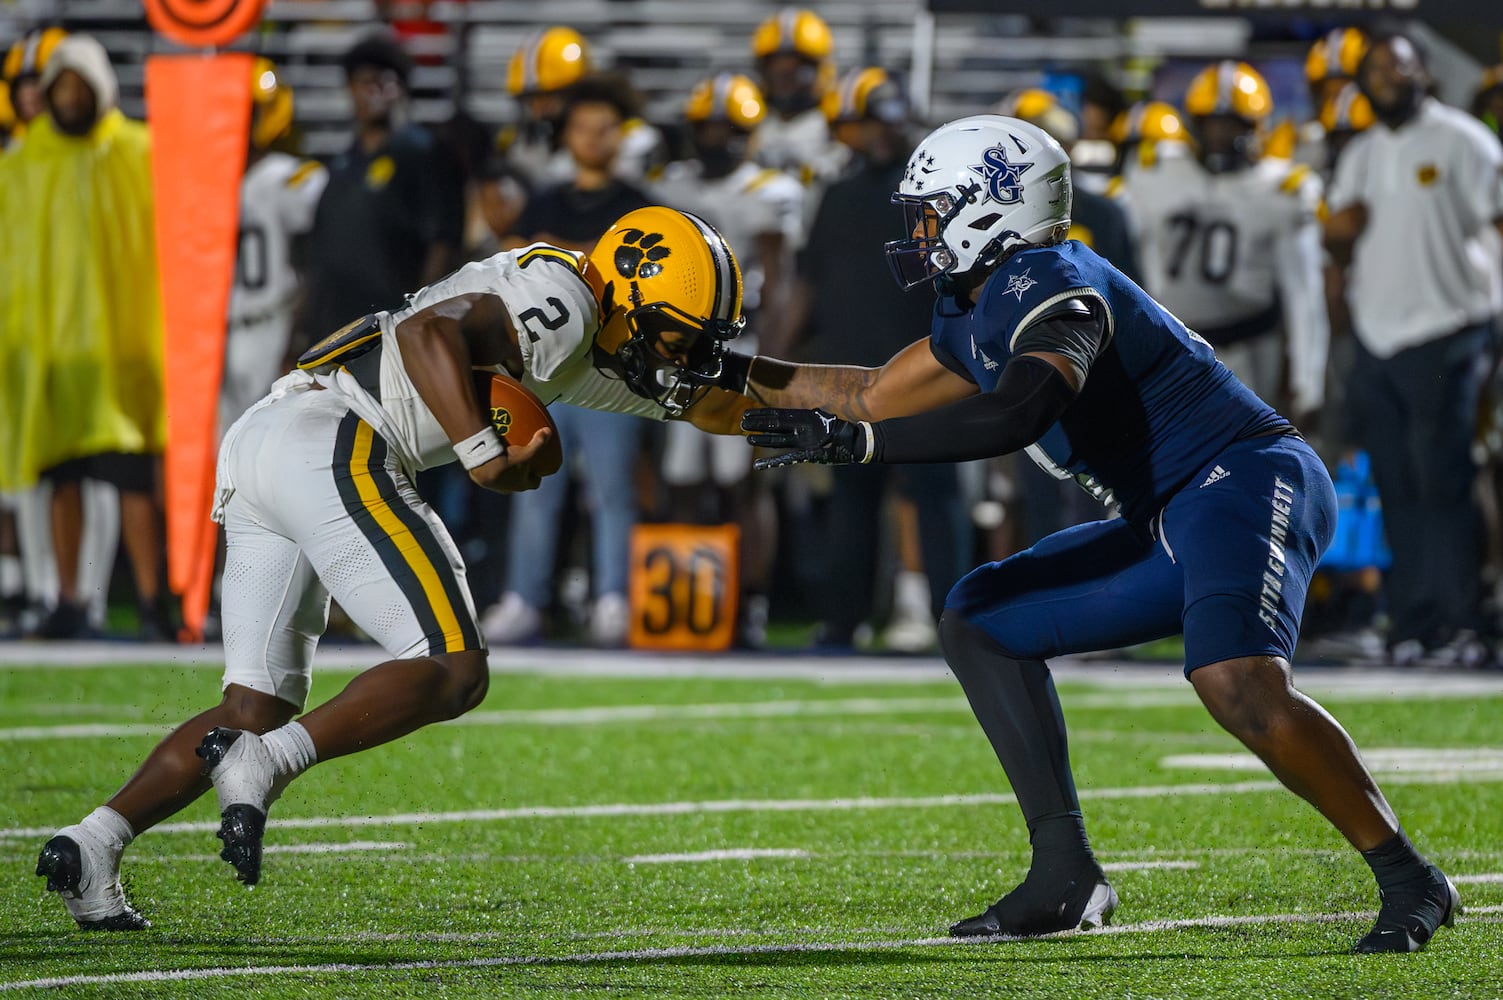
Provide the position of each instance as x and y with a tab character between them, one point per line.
965	643
467	681
1252	697
245	708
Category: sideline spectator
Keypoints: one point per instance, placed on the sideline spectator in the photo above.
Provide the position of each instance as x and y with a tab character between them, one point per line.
392	215
855	314
80	280
574	215
1426	178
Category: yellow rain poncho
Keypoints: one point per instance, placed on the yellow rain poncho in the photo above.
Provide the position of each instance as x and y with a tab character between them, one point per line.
81	368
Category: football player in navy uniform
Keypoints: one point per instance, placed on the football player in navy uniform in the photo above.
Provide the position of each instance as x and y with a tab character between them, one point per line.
1039	344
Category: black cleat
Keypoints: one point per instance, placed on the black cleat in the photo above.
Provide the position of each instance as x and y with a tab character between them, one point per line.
243	777
61	863
1084	904
1410	917
242	828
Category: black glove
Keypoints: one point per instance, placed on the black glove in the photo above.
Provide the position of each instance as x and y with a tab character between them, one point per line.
815	435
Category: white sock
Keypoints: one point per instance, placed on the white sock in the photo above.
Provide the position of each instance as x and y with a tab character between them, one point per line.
11	582
291	749
109	826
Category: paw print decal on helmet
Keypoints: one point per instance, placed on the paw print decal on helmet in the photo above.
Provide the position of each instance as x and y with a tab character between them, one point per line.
639	254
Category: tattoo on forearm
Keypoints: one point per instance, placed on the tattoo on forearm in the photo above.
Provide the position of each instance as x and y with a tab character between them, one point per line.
837	388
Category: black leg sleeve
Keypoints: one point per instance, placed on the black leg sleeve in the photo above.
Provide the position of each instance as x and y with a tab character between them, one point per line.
1015	702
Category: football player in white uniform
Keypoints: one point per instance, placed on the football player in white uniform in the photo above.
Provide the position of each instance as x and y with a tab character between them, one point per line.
792	49
315	493
1229	241
278	197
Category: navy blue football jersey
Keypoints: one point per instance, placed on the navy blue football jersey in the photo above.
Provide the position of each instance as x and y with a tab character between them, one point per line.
1156	405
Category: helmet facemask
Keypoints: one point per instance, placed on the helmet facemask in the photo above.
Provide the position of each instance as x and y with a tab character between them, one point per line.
669	356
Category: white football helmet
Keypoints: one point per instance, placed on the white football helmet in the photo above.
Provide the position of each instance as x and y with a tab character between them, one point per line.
976	190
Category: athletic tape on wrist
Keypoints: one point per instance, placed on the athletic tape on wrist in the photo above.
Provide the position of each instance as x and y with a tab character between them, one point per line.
480	447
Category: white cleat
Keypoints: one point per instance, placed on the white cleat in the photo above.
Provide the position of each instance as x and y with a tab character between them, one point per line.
85	872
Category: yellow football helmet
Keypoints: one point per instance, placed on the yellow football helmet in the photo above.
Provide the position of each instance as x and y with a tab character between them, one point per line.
799	32
1336	54
1041	108
862	95
7	113
793	30
1148	121
28	57
727	97
1348	111
551	60
271	105
670	296
1230	88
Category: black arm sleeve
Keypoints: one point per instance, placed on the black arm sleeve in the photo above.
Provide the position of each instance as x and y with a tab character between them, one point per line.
1030	396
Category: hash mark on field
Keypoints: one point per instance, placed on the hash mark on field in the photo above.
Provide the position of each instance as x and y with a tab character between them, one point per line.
1138	866
662	954
1481	879
732	854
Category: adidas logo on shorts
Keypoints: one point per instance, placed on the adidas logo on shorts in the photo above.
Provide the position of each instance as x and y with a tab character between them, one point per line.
1216	476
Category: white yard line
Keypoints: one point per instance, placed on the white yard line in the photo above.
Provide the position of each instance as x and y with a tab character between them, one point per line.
662	954
616	809
1482	878
727	854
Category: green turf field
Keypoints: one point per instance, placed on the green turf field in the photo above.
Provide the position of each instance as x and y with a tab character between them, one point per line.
796	832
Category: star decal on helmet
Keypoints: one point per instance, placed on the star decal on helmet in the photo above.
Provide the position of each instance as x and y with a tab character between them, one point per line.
1004	179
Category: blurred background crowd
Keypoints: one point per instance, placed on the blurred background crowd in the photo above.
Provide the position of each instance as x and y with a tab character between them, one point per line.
1215	162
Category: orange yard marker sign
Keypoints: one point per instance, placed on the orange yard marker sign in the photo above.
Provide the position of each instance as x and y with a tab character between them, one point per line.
198	108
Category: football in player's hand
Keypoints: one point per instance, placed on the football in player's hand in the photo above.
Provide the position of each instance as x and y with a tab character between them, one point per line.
517	414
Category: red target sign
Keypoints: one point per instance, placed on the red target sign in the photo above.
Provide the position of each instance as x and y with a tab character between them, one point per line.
204	23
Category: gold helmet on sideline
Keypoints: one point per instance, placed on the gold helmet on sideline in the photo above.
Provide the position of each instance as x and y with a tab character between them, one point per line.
29	55
1148	121
670	297
1336	54
867	94
1348	111
727	97
7	113
799	32
549	61
271	104
1043	109
1230	88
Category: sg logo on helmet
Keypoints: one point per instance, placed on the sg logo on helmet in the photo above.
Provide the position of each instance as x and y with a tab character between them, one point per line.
1004	179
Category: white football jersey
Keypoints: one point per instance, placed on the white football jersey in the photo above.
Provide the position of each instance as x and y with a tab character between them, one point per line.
1221	250
278	197
554	311
743	205
802	146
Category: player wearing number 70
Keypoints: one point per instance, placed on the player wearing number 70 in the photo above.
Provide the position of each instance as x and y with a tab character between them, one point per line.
316	498
1038	343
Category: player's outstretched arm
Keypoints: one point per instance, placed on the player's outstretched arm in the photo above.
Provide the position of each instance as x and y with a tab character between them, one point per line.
1032	393
912	382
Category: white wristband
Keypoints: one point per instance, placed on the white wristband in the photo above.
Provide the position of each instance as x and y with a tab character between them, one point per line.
480	447
871	441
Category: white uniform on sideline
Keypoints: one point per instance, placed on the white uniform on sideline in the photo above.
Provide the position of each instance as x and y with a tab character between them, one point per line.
315	487
744	205
278	197
1237	257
